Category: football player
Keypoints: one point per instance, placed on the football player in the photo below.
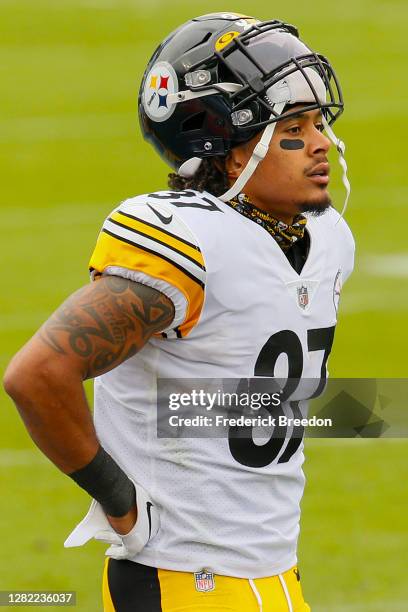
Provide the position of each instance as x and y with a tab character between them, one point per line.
235	272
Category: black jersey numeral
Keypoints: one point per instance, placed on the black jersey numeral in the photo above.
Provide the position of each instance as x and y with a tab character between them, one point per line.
175	196
172	195
240	440
321	340
283	342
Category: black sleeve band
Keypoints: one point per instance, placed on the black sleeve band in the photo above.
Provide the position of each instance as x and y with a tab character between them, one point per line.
106	482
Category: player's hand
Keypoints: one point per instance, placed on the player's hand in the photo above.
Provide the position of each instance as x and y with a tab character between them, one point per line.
146	527
96	525
124	524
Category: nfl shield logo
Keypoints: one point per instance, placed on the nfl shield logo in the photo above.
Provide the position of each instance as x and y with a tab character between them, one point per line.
303	296
204	581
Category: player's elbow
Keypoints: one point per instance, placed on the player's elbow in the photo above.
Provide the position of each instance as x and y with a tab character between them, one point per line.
27	377
17	379
9	382
12	379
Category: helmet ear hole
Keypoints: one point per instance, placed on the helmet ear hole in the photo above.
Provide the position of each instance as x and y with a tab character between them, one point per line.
195	122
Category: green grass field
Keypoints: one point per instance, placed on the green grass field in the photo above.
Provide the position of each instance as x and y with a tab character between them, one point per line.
70	151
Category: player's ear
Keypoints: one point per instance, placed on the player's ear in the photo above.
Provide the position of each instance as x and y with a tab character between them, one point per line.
238	158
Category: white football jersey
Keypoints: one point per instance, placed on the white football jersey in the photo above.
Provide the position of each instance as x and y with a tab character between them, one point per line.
241	310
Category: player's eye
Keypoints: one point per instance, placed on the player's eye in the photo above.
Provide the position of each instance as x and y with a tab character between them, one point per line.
295	129
320	127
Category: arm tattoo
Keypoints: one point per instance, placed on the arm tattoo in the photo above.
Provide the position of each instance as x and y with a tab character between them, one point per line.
106	322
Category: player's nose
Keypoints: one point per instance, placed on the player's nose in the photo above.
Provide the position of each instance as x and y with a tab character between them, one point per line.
319	143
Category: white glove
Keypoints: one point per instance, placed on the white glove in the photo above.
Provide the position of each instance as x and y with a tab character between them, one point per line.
96	525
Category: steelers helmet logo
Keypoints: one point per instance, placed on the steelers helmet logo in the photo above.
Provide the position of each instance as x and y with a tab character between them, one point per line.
160	81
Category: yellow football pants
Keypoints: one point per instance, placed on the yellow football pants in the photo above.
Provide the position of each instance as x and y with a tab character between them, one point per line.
131	587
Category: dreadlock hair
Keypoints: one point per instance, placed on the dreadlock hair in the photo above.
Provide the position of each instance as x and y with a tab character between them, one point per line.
209	177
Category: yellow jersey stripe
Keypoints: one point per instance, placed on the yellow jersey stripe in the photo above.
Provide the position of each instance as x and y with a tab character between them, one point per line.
140	247
169	240
112	250
142	237
153	225
153	246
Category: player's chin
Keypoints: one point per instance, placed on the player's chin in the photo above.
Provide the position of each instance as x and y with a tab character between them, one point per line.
317	205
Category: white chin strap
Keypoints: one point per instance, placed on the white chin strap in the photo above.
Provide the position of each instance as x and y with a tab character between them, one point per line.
341	148
258	155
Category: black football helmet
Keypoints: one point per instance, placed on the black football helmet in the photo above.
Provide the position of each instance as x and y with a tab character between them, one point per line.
207	87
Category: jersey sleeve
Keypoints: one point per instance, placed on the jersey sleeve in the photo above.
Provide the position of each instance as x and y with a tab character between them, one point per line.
149	244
